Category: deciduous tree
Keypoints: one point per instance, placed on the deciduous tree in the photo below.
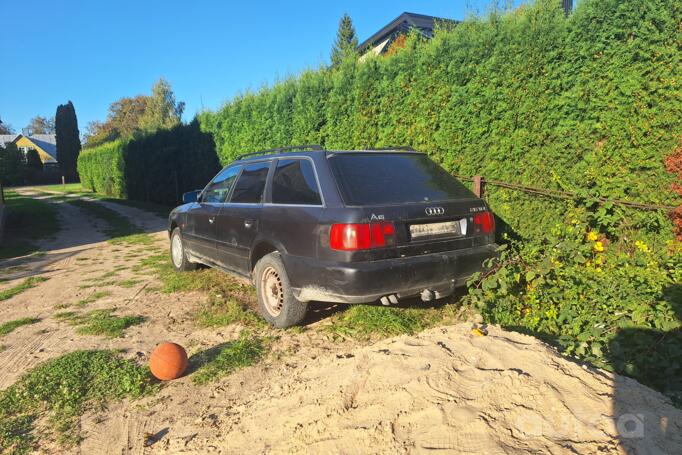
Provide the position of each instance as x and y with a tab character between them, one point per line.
41	125
6	128
162	111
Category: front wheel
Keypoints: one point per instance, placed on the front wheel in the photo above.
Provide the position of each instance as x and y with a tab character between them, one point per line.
178	253
276	300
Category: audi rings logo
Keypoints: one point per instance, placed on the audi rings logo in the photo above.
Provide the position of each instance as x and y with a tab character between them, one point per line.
434	211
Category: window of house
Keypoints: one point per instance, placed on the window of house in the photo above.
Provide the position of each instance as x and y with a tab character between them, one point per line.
220	186
294	182
251	183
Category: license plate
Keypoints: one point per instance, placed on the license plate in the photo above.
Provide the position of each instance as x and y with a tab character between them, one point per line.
452	228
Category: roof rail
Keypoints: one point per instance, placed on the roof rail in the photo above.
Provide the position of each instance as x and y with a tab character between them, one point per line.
291	148
405	148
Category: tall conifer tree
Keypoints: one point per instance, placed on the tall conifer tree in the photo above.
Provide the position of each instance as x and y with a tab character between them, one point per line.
346	40
68	140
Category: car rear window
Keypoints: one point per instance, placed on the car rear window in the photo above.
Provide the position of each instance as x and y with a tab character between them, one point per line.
393	178
294	182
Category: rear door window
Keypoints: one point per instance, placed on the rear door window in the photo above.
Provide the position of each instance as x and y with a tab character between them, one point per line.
251	183
294	182
220	186
388	178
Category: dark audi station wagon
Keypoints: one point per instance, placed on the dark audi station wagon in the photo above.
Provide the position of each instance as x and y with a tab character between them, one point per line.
306	224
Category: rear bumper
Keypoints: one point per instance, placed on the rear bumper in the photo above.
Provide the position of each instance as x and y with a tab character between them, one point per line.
362	282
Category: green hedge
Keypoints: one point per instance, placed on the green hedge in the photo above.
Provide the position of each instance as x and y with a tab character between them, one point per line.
591	103
101	169
156	167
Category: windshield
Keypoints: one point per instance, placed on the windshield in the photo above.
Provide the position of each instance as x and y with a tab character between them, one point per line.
393	178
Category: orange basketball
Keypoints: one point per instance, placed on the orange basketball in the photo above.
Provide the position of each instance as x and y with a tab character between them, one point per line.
168	361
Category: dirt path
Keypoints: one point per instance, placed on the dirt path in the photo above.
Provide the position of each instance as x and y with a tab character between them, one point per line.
444	390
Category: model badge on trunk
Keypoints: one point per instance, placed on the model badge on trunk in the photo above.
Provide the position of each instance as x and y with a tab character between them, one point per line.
434	211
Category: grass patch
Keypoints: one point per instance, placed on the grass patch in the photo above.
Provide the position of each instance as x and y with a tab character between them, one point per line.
95	296
204	279
220	312
225	358
67	189
129	283
104	276
78	189
63	389
368	322
10	326
97	285
119	229
28	283
28	220
100	322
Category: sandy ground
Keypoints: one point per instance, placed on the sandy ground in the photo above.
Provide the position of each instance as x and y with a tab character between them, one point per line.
442	391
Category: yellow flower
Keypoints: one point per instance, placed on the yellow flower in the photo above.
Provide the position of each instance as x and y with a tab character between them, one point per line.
592	236
598	247
641	246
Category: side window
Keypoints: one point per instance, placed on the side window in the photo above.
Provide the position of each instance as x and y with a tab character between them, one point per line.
251	183
294	182
220	186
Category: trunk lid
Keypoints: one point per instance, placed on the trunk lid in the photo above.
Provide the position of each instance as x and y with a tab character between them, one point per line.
431	227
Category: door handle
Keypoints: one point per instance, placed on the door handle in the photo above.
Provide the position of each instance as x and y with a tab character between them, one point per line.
248	224
211	220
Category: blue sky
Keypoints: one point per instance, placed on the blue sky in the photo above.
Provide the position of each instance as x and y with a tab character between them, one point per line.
95	52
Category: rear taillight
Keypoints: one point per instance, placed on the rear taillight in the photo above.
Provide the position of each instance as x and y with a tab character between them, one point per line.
349	237
484	222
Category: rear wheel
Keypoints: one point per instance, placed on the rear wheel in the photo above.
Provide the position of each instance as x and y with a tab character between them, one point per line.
276	300
178	253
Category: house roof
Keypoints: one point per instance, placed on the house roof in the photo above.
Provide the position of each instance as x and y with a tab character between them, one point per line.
404	23
46	142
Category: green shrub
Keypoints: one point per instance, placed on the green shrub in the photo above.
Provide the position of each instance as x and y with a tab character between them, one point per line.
101	169
156	167
615	304
11	165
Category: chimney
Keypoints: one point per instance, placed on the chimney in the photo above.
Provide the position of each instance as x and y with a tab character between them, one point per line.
568	6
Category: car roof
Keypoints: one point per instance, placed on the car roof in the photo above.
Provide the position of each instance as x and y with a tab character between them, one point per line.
316	154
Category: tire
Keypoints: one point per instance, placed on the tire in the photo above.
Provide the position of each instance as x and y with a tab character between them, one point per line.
276	301
178	254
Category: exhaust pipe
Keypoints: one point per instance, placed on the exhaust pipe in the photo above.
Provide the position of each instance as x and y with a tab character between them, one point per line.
428	295
389	300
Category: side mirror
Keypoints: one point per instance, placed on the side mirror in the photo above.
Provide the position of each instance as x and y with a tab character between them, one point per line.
191	196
